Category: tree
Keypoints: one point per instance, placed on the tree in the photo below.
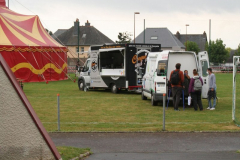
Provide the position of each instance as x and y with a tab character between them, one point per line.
217	51
123	37
237	52
192	46
228	51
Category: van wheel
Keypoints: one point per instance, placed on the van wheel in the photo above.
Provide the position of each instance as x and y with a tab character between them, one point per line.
81	85
114	89
154	103
143	97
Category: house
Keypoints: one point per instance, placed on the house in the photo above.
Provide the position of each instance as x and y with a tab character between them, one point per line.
159	36
200	39
88	36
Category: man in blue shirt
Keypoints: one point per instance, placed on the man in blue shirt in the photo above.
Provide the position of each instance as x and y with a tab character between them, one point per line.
212	89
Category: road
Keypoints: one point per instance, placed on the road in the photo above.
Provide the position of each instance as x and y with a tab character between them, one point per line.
154	146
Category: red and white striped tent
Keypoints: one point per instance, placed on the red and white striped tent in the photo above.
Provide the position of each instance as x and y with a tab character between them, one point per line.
31	53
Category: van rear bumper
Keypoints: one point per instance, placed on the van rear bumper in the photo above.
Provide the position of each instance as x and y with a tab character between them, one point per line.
158	96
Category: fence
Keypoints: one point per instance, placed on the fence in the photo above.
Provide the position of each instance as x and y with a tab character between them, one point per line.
72	64
223	67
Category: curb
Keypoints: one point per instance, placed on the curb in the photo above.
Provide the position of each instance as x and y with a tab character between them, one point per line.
81	156
148	132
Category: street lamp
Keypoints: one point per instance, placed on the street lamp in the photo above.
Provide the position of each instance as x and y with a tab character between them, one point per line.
186	35
134	23
77	20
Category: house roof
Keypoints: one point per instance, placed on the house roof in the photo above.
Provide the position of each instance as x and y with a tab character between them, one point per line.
59	32
88	35
200	39
159	36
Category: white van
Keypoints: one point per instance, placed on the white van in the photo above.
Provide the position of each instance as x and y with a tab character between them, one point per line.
159	66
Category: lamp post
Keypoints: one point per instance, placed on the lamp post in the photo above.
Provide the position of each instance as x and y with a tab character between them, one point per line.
186	35
134	23
77	20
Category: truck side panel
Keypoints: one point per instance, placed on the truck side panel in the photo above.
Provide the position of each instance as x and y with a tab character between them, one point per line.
131	75
96	79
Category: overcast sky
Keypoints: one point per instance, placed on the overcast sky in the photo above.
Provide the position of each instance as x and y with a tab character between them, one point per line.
114	16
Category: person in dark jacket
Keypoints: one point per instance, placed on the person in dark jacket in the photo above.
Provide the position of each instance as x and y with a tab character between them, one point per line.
186	83
196	95
177	89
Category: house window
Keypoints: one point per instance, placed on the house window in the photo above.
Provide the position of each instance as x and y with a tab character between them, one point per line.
82	49
77	50
154	37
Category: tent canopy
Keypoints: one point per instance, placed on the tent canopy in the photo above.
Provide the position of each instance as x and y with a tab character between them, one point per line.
23	30
32	54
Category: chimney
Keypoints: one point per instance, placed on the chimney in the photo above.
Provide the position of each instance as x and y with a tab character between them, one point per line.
204	34
178	35
76	25
87	24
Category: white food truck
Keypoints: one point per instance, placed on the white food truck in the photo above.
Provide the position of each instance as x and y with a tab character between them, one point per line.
159	66
114	67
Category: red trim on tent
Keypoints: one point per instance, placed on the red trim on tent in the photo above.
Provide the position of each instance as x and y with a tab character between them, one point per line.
29	108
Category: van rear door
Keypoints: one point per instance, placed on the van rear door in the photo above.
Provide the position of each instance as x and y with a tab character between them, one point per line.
161	76
203	62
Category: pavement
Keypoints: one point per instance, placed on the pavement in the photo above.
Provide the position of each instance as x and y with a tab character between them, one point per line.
154	146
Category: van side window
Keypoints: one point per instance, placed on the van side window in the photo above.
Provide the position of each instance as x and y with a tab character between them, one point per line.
204	68
86	66
162	68
112	59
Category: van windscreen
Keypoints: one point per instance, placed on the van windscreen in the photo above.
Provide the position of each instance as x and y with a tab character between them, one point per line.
162	68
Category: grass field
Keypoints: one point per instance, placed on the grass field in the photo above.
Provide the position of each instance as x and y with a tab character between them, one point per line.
71	152
104	111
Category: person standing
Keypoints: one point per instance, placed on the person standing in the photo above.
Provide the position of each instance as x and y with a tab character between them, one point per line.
77	69
176	79
195	90
212	89
186	83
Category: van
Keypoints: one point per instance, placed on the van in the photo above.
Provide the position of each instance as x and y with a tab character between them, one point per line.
159	66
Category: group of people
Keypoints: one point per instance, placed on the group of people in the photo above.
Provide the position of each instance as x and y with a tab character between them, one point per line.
192	87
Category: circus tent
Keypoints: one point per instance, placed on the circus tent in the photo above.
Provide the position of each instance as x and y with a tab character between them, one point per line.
31	53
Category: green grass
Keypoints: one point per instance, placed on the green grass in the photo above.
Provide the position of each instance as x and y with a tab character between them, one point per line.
71	152
104	111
